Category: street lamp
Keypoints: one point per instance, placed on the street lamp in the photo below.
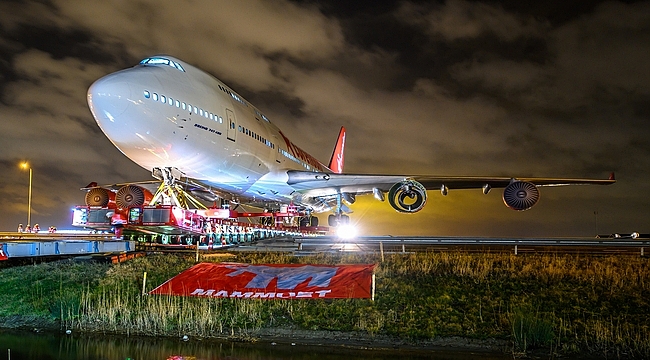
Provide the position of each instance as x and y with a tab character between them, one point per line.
25	165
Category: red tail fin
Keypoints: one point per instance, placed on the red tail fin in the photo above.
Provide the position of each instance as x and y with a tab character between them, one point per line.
336	162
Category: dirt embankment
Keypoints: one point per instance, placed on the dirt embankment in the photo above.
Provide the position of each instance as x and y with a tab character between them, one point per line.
365	340
285	335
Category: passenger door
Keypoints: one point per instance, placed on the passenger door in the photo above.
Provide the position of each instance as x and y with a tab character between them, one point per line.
231	133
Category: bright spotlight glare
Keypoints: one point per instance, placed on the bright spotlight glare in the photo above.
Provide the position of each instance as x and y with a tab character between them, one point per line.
346	231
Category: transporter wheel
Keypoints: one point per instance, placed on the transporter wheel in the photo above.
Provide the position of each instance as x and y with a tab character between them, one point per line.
164	239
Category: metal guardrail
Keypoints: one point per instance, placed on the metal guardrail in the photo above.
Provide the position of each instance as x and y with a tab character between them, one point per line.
429	240
45	236
415	243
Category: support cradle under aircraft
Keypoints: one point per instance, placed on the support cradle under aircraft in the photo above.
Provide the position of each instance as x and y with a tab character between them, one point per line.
193	131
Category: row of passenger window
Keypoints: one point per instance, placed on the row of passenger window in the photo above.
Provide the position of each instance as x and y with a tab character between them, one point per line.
182	105
239	99
234	96
295	159
262	115
256	136
289	156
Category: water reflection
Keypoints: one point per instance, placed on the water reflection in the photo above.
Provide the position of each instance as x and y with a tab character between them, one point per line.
30	346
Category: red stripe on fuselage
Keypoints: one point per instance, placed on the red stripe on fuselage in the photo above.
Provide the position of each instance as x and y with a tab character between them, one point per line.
302	155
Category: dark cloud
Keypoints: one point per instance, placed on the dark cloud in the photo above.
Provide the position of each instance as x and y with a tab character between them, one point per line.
457	87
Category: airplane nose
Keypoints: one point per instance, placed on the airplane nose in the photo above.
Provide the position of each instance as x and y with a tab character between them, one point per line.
109	97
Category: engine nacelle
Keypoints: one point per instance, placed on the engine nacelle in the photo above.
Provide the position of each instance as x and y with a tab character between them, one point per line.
100	197
132	195
408	196
520	195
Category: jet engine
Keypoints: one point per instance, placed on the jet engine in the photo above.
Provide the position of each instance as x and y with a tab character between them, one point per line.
100	197
408	196
132	195
520	195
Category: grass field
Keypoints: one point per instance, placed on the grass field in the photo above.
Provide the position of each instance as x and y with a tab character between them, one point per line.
564	303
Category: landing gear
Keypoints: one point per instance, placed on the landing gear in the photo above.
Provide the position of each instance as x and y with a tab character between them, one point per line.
170	192
309	221
337	220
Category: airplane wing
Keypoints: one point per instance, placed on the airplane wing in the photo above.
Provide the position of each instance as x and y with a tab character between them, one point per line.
322	183
519	193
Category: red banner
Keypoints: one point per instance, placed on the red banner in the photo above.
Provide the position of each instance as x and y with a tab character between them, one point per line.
3	255
287	281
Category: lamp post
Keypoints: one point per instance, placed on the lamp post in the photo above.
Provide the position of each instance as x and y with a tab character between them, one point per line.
25	165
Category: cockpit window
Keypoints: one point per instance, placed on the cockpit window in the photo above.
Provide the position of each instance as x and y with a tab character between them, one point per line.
162	61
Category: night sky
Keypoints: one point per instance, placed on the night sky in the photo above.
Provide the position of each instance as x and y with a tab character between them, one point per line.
510	88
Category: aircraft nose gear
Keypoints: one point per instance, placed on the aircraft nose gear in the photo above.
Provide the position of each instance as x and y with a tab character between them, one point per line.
170	192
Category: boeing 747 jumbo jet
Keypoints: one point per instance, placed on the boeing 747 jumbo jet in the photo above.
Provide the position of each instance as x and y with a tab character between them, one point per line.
189	128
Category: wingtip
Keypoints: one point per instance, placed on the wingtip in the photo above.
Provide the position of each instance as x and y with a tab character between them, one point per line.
611	176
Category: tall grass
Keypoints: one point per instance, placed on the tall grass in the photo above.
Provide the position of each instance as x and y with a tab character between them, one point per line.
566	303
123	311
530	331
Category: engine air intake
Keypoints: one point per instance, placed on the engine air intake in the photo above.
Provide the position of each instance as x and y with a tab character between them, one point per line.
407	196
520	195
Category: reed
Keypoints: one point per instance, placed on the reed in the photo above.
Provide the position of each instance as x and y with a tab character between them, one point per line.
530	330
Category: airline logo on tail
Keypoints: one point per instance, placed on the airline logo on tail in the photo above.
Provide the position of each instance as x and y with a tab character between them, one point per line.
336	162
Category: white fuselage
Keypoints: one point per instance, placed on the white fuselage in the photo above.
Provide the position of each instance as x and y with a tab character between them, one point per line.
168	114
